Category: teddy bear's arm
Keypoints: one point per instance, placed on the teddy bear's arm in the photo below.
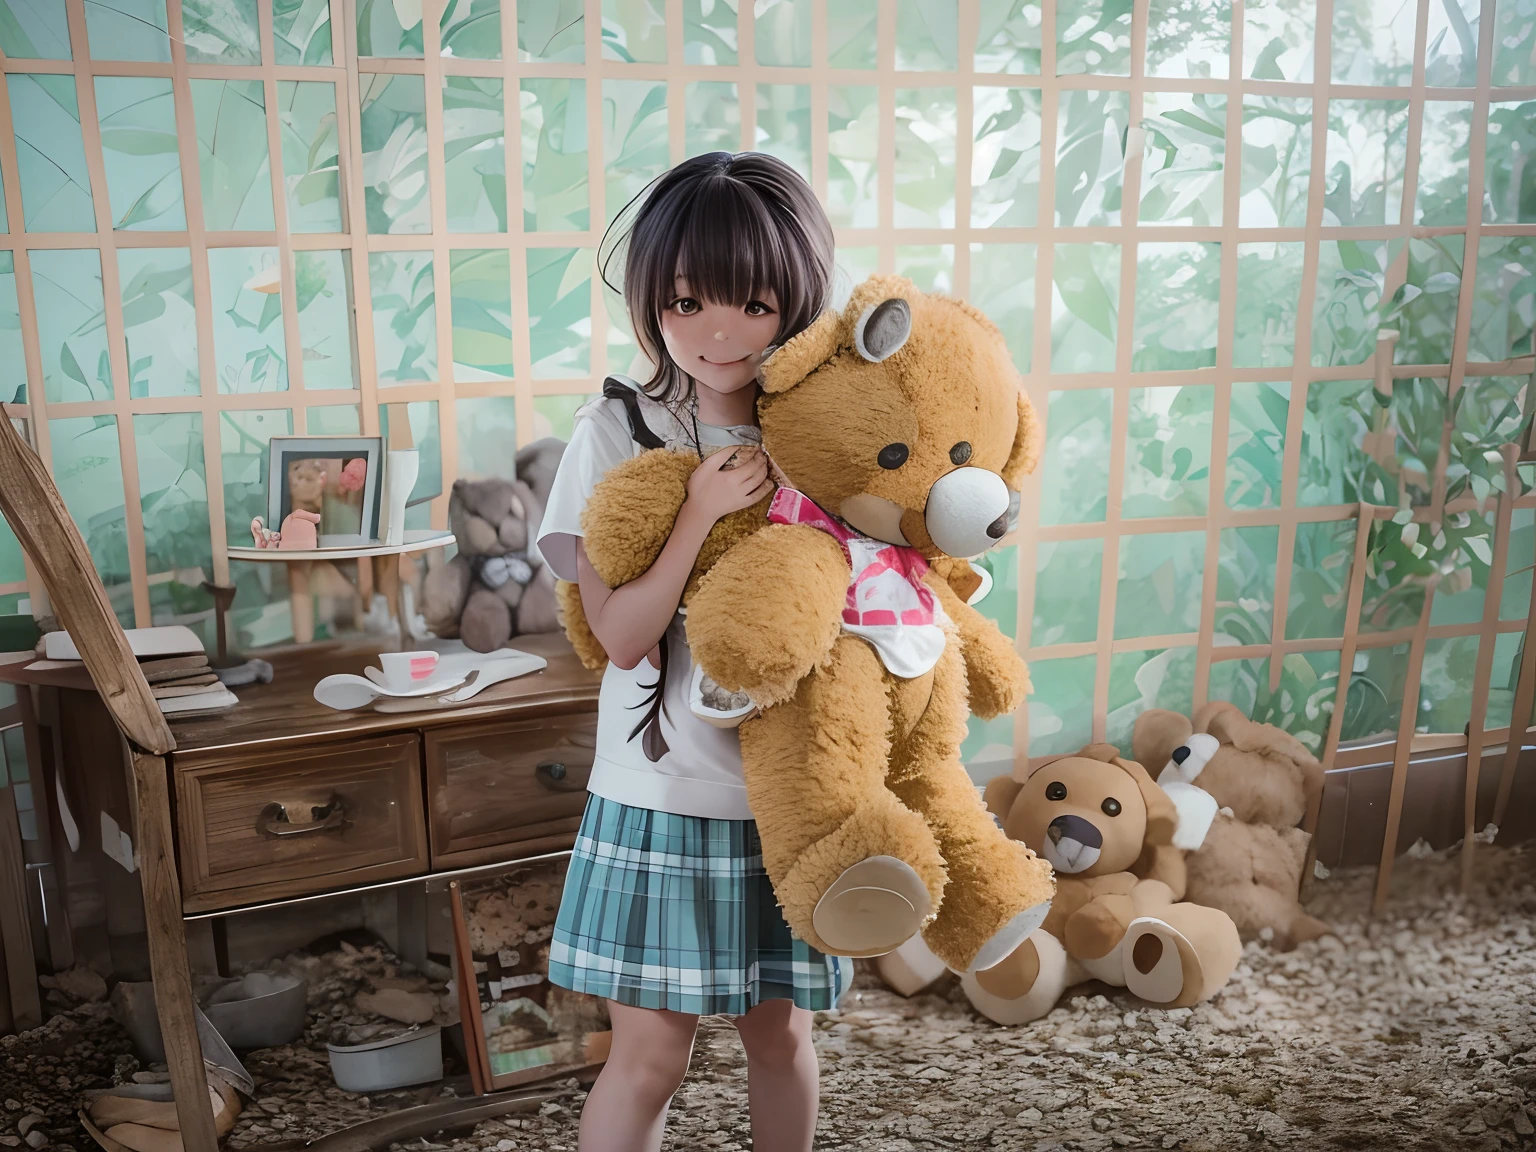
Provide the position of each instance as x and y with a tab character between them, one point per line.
631	512
996	677
769	611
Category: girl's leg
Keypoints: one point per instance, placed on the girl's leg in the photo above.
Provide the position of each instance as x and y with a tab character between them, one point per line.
626	1110
782	1081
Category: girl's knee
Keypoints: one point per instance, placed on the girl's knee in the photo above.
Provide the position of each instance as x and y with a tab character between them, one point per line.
776	1032
655	1078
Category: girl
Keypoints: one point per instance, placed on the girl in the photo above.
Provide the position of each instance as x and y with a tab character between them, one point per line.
667	912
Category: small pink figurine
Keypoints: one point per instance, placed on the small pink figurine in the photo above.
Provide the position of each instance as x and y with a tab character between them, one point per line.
300	530
262	535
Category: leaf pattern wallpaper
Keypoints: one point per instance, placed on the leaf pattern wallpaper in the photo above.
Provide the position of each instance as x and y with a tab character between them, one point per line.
1245	297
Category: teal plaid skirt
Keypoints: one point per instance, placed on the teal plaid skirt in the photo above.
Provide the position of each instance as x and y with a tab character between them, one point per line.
667	911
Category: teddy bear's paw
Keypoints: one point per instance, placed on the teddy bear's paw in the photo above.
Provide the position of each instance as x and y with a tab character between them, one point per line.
910	969
1009	937
1026	985
1181	957
872	908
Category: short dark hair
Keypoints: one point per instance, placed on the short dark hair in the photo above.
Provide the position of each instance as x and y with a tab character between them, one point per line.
733	224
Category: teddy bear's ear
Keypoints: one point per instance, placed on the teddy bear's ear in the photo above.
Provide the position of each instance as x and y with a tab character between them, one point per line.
803	354
1000	794
1157	733
1222	719
1162	816
1027	442
882	328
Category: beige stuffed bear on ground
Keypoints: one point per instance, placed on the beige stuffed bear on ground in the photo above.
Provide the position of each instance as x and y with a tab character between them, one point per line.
1263	780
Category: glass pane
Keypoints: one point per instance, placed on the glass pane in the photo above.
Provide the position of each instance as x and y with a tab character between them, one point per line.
554	123
159	321
480	284
988	748
1511	165
1159	584
173	493
1398	569
784	123
1451	59
1077	452
50	155
1084	303
388	28
551	31
927	35
1185	144
1278	38
1168	451
306	116
1504	304
1090	157
1178	302
1005	159
1189	39
248	341
1303	704
560	311
1427	301
853	152
416	427
1268	294
853	266
852	33
13	391
1320	566
34	30
120	29
634	31
635	149
1341	416
474	154
1008	37
221	31
929	266
1373	706
1001	605
1003	287
1061	706
12	568
1245	585
334	420
1238	682
1068	574
471	29
1443	150
925	158
487	436
1505	679
624	354
782	32
71	325
1514	43
1347	314
139	152
1155	678
301	31
711	118
232	151
1093	36
709	32
1367	152
87	467
1277	161
404	316
1256	444
555	415
1462	592
394	120
1373	42
1515	601
324	284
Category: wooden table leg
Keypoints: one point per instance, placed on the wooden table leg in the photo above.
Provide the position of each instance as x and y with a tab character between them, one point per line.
386	576
301	601
168	954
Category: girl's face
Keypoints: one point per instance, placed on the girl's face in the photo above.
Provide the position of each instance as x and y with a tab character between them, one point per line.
719	345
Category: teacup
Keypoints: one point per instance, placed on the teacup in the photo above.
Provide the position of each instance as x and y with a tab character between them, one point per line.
404	671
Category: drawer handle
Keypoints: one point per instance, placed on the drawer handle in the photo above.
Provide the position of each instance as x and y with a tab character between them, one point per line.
556	777
273	820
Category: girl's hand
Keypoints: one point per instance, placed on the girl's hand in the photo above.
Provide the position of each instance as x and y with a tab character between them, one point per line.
717	490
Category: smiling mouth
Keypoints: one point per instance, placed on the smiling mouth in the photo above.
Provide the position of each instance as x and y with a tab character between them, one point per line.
723	363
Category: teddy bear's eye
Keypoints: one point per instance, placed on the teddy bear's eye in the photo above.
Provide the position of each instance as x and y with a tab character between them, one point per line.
960	453
1111	806
1055	790
893	456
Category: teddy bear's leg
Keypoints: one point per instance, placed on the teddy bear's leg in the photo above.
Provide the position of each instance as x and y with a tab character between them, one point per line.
998	891
910	969
487	621
1026	985
1181	956
855	871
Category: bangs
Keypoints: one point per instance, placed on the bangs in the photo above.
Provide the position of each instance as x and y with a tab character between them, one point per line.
729	248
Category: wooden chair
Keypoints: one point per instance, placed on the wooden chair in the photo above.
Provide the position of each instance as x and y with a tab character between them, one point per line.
37	515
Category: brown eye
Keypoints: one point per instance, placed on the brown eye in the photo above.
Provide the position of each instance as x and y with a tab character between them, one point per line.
960	453
687	306
893	456
757	308
1055	790
1111	807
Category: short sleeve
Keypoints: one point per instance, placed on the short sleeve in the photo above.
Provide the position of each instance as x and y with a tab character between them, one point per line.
599	440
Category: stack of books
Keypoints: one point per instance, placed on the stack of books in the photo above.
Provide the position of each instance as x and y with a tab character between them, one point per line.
173	662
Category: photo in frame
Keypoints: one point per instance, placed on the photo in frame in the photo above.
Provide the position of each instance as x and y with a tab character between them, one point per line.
340	478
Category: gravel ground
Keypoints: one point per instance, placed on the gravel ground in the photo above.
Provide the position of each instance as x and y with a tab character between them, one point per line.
1415	1031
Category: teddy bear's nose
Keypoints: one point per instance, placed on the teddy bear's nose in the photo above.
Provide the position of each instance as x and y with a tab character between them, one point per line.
998	527
1180	754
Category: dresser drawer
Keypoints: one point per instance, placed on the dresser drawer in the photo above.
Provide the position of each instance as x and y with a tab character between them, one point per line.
498	790
269	825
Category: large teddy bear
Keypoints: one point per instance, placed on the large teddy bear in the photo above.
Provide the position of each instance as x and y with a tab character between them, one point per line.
902	426
1263	780
497	585
1117	842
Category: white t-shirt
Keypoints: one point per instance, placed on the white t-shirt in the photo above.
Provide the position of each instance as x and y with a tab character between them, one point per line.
699	773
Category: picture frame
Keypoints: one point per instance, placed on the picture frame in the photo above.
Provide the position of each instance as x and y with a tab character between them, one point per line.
339	477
